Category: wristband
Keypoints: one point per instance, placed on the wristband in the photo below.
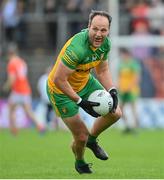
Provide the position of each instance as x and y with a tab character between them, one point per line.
111	88
79	101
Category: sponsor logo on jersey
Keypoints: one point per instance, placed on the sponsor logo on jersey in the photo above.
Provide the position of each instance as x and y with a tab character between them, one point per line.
102	55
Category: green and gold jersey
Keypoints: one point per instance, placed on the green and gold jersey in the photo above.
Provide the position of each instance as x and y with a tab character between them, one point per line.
128	71
79	55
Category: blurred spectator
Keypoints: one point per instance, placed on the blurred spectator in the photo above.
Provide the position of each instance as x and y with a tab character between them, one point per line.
140	34
0	23
21	30
85	8
156	15
10	19
161	48
73	6
125	7
139	13
19	86
147	84
140	9
41	86
129	86
51	8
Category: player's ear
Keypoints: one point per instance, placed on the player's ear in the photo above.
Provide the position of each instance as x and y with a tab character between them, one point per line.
108	32
89	24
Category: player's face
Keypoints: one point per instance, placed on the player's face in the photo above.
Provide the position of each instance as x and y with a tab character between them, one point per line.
98	30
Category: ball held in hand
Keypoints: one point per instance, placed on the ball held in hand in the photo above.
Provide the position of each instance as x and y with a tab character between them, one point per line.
105	100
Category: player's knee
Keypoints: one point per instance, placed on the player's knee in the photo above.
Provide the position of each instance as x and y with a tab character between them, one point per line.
82	137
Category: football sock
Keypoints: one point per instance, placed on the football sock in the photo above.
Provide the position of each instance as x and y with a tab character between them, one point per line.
91	138
80	162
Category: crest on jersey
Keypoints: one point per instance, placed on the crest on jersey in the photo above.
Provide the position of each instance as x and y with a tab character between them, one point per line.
64	110
102	55
94	57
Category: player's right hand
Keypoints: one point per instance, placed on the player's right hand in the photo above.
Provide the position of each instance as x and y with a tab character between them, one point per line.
113	92
88	107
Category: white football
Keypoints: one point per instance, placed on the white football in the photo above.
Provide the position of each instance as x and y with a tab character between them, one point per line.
105	100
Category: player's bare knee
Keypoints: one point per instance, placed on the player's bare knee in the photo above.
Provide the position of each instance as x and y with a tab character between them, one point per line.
82	137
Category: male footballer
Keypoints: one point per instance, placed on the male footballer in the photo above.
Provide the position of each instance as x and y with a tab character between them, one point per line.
70	83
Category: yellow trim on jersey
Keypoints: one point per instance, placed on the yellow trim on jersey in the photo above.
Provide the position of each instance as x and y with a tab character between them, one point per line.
88	66
93	48
68	60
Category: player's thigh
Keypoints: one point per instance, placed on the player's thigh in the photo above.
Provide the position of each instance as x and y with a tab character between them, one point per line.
62	104
77	127
12	107
68	111
26	102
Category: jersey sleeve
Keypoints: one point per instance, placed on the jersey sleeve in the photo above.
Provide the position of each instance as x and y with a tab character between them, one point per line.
70	58
106	55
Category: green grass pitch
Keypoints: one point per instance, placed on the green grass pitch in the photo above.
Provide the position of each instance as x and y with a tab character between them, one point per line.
31	155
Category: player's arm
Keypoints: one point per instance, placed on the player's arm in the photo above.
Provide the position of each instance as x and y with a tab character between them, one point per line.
61	81
104	76
9	82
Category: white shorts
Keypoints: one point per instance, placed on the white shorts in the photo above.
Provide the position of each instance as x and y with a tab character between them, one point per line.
16	98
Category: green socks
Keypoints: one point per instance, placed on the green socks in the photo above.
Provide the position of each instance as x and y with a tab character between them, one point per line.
80	162
91	138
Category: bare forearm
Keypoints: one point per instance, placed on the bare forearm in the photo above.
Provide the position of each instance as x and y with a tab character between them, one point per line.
66	88
7	85
105	79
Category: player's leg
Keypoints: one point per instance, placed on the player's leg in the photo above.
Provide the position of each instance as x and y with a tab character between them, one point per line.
104	122
26	103
13	101
127	127
48	116
55	120
125	99
80	135
130	98
68	111
101	124
134	111
12	118
48	113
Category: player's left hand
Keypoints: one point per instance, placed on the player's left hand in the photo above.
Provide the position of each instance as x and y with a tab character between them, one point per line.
88	107
113	92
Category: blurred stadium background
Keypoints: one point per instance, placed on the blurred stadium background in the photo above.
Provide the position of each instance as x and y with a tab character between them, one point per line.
41	27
